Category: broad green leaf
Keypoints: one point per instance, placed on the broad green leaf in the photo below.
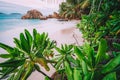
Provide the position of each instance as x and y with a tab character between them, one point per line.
80	55
77	75
89	51
59	50
68	71
6	47
44	38
29	38
24	43
38	40
110	76
101	50
111	64
62	46
15	53
72	60
12	63
17	42
84	68
59	62
5	55
34	36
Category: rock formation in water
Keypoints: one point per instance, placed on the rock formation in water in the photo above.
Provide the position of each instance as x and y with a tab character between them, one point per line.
34	14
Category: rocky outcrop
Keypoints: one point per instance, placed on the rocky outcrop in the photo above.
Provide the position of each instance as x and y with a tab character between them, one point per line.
54	15
34	14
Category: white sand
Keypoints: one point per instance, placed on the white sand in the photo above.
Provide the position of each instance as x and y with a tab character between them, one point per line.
62	32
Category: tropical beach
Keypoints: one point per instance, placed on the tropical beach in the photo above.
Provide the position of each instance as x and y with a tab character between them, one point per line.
59	40
60	31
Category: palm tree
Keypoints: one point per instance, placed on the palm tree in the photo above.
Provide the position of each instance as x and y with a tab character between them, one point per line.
73	9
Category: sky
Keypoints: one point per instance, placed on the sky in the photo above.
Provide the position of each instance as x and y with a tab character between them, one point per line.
23	5
30	3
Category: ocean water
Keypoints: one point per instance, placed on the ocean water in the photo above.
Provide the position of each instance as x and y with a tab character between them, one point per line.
7	24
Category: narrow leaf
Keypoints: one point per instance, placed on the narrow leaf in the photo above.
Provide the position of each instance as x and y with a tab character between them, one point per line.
59	50
19	73
6	47
80	55
110	76
101	50
68	71
24	43
77	75
7	72
111	64
29	38
5	55
28	72
12	63
17	42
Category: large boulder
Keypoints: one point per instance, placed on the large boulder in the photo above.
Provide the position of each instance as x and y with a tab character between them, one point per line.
34	14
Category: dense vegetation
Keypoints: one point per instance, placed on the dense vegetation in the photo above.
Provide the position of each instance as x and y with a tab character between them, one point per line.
72	62
74	9
92	61
103	21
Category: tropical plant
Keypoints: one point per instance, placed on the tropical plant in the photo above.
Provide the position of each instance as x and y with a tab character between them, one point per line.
30	52
85	63
73	9
63	59
102	22
97	65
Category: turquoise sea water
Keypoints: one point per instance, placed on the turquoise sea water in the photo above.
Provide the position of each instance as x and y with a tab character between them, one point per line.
7	24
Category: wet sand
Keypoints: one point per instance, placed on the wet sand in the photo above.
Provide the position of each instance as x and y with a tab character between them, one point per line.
63	32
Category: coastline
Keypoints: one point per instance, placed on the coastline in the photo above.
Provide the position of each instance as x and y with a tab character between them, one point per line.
51	26
60	31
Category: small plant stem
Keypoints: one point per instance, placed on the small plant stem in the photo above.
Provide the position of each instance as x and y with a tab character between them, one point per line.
99	5
76	39
44	74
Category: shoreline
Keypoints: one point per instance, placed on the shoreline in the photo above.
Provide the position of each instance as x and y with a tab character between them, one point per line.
51	26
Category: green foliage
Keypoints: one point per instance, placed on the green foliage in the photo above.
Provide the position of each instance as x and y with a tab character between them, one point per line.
30	52
94	70
91	61
102	22
76	74
111	76
65	54
73	9
64	59
87	63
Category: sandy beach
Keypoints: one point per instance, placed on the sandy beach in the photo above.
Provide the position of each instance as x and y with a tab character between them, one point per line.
63	32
